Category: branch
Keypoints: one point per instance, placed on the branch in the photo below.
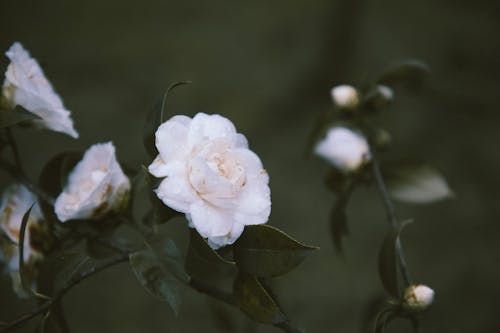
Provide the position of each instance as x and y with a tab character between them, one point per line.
72	283
391	216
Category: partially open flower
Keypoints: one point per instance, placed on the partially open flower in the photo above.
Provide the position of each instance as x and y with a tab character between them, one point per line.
15	203
345	148
418	297
25	85
212	176
96	186
345	96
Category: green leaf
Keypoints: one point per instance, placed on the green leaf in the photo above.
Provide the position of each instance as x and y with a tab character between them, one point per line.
170	256
153	276
266	251
387	264
388	261
253	299
155	118
410	72
200	248
160	213
19	115
54	176
25	283
416	183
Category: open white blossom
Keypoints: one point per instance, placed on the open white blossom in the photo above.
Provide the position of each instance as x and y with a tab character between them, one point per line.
345	96
345	148
212	176
96	186
418	297
26	85
15	203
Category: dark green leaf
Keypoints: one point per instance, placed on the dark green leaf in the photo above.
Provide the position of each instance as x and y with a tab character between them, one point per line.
19	115
203	251
155	118
387	264
416	183
53	178
160	213
266	251
410	72
98	249
383	319
153	276
22	272
170	256
255	301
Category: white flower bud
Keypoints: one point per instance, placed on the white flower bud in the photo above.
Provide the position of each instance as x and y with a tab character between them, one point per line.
386	92
16	201
212	176
418	297
26	85
96	186
346	149
345	96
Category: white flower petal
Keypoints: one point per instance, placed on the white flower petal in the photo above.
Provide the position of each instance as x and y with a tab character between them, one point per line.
175	190
26	84
217	242
209	127
171	138
95	186
210	221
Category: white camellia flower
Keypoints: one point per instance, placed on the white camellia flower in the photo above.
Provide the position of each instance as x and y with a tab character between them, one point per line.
25	85
418	297
345	148
96	186
15	203
345	96
212	176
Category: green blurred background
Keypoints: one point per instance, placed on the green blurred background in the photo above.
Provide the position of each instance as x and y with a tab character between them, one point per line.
268	66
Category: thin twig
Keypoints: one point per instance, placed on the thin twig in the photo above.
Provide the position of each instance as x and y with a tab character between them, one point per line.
72	283
391	217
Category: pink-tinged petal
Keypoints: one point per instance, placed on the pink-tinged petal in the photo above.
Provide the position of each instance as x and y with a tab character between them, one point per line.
205	128
210	221
220	241
158	167
171	138
175	190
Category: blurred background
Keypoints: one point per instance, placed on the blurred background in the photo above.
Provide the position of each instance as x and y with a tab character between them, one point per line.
269	66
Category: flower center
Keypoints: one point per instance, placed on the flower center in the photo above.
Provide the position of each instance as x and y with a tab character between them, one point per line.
214	172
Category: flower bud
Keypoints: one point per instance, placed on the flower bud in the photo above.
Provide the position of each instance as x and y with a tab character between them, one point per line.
345	148
16	201
96	186
26	85
418	297
345	96
379	97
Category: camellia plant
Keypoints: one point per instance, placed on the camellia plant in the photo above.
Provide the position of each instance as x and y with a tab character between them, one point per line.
81	216
347	139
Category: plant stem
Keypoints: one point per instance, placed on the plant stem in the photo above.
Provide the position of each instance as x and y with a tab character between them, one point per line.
391	217
72	283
